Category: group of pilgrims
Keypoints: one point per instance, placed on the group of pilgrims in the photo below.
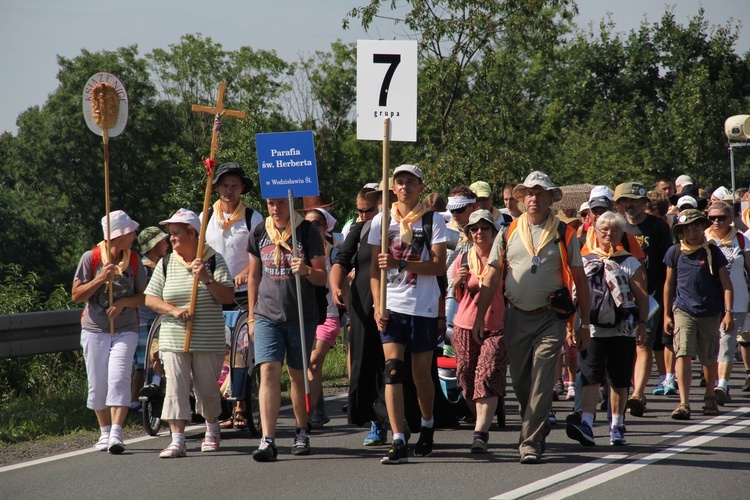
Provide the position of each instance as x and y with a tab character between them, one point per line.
571	303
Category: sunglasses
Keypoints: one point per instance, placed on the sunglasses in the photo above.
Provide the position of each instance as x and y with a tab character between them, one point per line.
720	218
366	210
317	223
459	211
476	229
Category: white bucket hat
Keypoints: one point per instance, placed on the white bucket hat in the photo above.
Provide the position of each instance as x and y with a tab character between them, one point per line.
120	223
538	179
184	216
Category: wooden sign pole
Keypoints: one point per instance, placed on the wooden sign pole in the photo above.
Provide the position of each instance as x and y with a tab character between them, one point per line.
218	111
385	198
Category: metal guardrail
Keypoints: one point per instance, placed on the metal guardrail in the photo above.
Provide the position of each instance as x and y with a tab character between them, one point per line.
27	334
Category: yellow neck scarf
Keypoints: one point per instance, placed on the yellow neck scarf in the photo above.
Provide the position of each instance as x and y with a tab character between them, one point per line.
687	249
475	265
548	232
726	240
281	240
462	239
593	244
208	252
405	221
121	266
237	216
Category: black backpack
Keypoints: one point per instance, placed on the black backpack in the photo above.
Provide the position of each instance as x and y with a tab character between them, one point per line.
321	292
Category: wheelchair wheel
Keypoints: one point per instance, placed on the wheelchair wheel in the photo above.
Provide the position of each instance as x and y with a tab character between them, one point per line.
152	405
242	367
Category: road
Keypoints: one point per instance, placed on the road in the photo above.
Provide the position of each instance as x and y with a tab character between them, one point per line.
701	458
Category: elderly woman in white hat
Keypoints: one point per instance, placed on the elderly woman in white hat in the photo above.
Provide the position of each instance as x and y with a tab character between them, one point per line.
200	362
109	354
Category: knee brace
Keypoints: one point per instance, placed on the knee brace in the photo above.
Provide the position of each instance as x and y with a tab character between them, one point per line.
394	372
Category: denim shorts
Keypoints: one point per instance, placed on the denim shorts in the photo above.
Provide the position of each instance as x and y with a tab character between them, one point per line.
274	341
417	333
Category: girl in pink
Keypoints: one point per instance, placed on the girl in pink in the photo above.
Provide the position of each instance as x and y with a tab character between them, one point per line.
481	362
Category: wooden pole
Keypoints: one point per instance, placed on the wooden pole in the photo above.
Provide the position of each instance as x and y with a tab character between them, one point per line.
300	312
385	221
108	240
218	111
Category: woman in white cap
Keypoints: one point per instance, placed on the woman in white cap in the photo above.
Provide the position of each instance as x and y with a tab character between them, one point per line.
169	293
109	353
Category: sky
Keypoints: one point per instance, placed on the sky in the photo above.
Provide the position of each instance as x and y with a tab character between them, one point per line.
34	32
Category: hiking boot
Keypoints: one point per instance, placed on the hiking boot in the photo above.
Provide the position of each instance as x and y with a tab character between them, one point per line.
377	435
398	454
746	385
424	444
318	419
266	452
582	433
301	444
617	436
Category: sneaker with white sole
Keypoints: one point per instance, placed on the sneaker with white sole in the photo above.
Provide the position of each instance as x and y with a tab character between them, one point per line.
266	452
174	450
301	444
617	436
211	442
571	395
398	454
377	435
103	443
115	445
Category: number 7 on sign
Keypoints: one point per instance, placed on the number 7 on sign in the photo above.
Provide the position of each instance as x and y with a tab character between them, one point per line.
393	60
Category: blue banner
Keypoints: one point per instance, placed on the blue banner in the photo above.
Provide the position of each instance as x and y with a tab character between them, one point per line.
286	160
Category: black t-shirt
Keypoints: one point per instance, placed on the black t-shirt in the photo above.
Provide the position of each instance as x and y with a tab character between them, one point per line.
655	238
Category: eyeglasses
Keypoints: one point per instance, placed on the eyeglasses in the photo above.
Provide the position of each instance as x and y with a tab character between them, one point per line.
476	229
366	210
459	211
720	218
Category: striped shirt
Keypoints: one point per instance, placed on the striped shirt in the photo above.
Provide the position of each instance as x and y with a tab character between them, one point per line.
208	323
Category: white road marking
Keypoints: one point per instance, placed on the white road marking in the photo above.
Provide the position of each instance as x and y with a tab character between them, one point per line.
164	433
558	478
653	458
637	464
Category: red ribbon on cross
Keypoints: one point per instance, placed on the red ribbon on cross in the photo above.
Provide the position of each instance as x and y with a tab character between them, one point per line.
210	163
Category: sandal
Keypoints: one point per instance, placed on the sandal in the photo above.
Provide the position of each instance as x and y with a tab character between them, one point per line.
682	412
240	420
226	424
636	406
709	406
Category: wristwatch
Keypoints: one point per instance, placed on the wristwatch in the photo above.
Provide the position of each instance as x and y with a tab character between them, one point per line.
401	265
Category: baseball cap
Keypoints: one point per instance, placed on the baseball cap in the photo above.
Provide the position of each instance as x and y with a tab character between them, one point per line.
633	190
409	169
481	189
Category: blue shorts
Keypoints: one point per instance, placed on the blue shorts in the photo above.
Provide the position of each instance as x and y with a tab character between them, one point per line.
417	333
139	358
273	341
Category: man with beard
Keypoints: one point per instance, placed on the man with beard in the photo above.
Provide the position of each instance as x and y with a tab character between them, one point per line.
655	238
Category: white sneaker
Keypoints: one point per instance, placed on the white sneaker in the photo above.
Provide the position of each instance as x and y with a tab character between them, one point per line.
115	445
103	443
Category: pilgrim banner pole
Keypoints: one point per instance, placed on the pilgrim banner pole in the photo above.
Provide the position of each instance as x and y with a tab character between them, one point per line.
385	221
218	111
300	313
105	109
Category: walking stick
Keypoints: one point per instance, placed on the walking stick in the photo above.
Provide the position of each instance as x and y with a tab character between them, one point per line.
300	313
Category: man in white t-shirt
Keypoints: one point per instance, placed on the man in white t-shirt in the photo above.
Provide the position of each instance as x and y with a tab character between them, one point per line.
231	224
415	306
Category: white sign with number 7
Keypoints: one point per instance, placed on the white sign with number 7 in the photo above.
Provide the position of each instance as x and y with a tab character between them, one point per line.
387	87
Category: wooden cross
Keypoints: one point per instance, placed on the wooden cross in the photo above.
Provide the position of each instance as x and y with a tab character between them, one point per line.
218	111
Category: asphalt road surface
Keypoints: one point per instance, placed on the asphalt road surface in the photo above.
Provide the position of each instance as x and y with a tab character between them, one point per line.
703	458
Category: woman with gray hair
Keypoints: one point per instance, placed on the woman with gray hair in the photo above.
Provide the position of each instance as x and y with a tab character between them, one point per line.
615	278
169	293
